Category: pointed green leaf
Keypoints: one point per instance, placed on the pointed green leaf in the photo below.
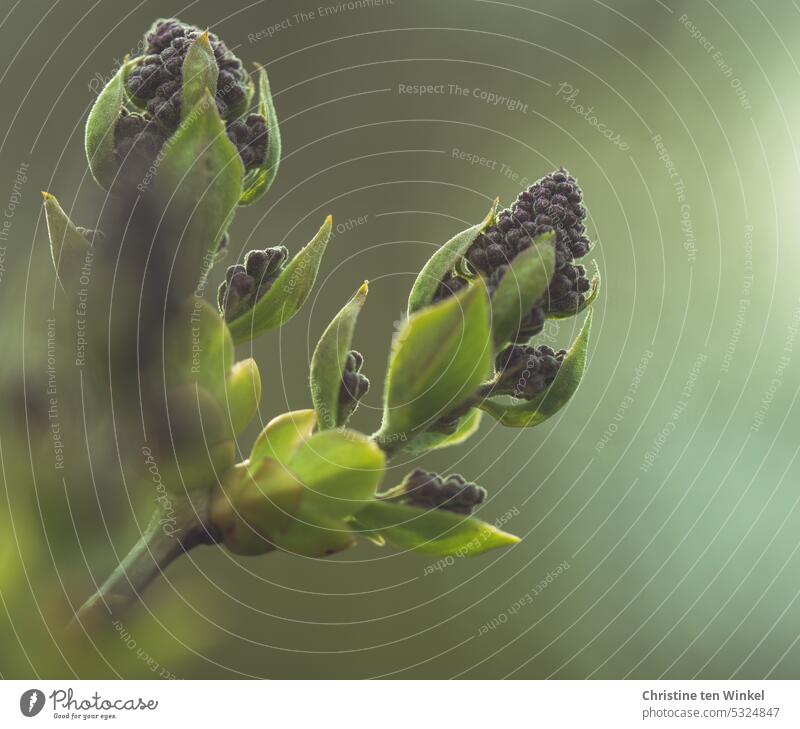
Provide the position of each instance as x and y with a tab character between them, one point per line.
200	180
431	441
258	181
341	470
287	294
529	413
328	360
361	530
243	394
587	301
523	284
199	72
438	360
433	531
443	261
68	247
283	435
99	137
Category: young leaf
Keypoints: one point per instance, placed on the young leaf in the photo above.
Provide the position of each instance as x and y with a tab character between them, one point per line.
99	139
443	261
283	435
258	181
522	285
340	469
314	535
243	393
197	449
533	412
430	441
200	180
200	73
433	531
253	502
287	294
68	247
328	360
200	349
439	358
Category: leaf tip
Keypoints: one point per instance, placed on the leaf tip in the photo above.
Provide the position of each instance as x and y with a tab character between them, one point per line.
46	196
363	290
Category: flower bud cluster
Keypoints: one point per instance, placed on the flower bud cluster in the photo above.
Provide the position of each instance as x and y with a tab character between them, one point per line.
554	203
245	284
525	371
155	85
431	491
354	385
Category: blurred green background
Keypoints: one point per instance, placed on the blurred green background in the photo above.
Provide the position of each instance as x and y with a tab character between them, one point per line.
662	501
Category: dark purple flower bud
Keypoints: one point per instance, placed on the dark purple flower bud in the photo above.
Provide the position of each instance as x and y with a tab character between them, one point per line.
354	386
428	490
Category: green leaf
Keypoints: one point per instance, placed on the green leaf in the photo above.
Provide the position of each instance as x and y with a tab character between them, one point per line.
431	441
314	535
529	413
200	349
443	261
328	360
253	502
439	358
198	448
199	72
522	285
587	302
258	181
68	247
283	435
200	180
99	137
433	531
287	294
341	470
360	529
243	394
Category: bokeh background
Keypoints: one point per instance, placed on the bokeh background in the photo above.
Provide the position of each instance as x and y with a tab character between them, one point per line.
659	510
